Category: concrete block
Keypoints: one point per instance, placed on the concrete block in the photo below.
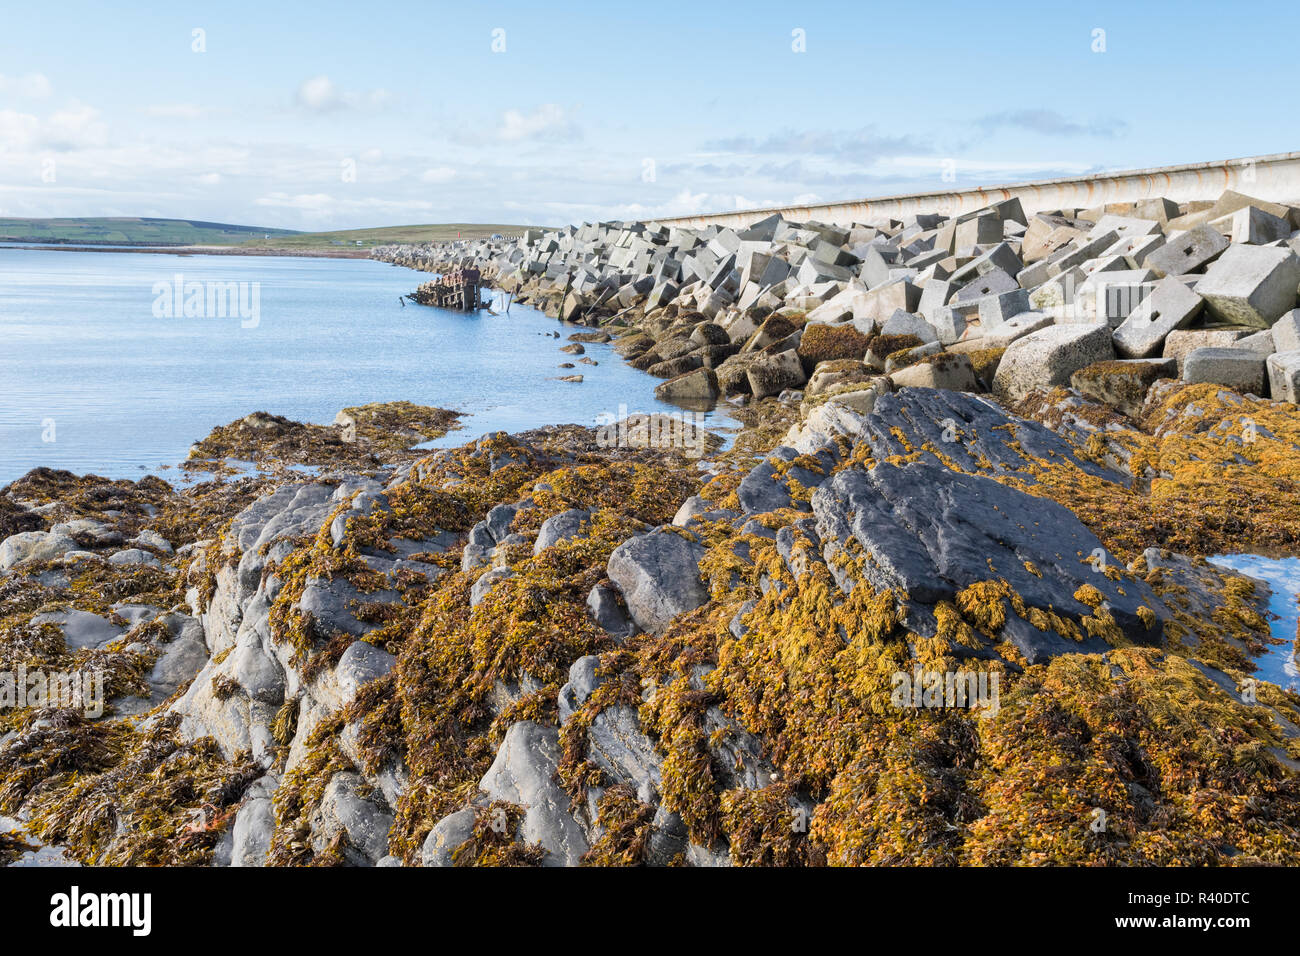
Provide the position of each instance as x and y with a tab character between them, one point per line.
1170	306
977	231
1284	376
1135	249
1001	257
953	372
996	309
1187	252
1045	236
1080	251
935	295
883	301
1238	369
1124	226
949	324
1160	209
1251	285
1182	343
1261	343
1253	225
991	283
1016	327
1122	384
905	323
1286	332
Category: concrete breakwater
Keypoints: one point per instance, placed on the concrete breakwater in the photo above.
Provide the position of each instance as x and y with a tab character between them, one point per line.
1108	299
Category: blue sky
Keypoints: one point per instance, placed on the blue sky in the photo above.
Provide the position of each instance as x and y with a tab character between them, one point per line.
337	115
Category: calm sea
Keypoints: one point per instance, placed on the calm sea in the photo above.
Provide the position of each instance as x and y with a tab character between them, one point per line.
101	372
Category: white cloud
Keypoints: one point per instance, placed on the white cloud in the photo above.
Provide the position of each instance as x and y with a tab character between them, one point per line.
175	110
73	127
18	130
319	94
548	122
325	206
210	179
33	85
439	174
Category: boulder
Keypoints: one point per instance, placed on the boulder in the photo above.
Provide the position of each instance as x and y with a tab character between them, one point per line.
1047	358
561	527
34	546
916	523
352	809
524	773
658	575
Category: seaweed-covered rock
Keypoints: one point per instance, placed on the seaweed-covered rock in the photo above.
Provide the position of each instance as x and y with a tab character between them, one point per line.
353	819
523	774
659	577
34	546
1123	385
930	533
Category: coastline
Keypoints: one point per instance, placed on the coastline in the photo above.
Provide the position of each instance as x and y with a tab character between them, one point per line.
932	564
201	251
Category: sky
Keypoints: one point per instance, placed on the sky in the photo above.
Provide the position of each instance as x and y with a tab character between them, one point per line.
330	115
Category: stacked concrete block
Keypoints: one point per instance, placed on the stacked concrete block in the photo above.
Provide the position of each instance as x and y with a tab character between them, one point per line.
1251	285
1163	279
1238	369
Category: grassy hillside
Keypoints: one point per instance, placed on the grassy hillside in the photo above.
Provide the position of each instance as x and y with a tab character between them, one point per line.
131	231
365	238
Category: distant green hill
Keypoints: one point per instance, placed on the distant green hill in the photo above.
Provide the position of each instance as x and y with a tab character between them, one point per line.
131	231
384	235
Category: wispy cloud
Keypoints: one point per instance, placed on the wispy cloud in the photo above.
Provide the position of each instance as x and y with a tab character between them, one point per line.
319	94
1051	123
550	122
864	145
175	110
32	85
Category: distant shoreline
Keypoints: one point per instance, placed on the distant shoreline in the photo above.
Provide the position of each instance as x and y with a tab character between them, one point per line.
201	250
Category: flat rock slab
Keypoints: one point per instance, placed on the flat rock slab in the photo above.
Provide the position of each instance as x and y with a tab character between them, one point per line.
928	532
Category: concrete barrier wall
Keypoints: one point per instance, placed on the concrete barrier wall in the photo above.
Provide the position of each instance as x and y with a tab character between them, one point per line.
1275	178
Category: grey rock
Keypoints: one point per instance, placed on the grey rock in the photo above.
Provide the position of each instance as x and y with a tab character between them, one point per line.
447	835
34	546
561	527
523	773
351	808
659	577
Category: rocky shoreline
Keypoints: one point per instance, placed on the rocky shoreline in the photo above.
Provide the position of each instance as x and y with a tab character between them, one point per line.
544	649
